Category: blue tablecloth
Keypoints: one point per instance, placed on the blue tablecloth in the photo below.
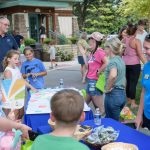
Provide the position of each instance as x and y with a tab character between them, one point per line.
126	134
37	120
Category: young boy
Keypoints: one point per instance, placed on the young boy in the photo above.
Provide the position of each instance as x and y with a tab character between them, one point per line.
67	111
52	54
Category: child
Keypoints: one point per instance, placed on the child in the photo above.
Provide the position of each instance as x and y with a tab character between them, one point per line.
52	54
67	111
22	46
33	69
12	72
7	125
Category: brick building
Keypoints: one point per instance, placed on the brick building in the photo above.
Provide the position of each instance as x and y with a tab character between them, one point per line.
27	16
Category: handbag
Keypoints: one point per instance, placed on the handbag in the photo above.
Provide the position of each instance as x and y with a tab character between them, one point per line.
27	145
100	84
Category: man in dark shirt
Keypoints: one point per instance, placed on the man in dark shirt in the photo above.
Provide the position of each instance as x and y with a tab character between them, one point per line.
19	38
42	33
7	41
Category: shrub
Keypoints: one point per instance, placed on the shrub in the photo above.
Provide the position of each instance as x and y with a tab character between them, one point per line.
47	40
29	41
62	40
64	55
73	40
46	48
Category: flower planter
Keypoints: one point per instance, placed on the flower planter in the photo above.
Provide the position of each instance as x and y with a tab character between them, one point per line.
45	56
58	59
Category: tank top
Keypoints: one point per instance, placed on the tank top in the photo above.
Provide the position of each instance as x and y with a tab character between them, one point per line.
130	56
15	72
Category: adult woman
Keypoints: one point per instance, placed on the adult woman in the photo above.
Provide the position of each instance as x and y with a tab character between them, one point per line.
122	33
96	63
115	97
144	107
82	42
132	56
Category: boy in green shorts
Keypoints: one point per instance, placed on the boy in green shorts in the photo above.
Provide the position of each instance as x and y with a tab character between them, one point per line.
67	110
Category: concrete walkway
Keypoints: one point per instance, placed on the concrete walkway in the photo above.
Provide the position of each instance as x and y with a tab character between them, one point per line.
60	65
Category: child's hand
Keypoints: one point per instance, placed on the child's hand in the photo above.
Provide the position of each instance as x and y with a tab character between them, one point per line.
34	89
34	75
24	130
28	74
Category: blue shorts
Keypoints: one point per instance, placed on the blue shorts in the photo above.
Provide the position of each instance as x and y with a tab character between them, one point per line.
91	88
81	60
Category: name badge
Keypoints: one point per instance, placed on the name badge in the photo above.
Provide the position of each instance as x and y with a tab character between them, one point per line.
146	76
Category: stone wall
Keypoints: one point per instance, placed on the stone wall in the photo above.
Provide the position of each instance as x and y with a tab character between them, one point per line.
72	48
75	27
19	23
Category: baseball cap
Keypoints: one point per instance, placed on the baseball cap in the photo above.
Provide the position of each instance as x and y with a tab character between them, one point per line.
96	36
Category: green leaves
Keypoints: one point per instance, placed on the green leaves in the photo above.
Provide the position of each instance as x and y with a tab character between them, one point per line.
138	8
99	15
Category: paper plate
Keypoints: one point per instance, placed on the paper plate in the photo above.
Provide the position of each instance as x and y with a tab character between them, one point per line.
119	145
80	132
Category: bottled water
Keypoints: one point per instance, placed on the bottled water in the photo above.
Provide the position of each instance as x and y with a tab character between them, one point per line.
61	83
97	117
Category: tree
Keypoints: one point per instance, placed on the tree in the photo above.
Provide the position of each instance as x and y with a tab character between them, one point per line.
99	15
136	8
80	10
100	18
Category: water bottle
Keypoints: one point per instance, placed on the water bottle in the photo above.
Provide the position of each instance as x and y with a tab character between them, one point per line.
97	117
61	83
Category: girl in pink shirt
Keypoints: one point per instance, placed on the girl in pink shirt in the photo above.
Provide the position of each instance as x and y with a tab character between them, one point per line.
96	64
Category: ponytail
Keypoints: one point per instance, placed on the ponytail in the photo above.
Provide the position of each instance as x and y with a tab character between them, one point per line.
5	62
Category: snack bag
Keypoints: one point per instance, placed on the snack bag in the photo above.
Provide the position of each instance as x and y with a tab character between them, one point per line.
127	114
11	140
27	145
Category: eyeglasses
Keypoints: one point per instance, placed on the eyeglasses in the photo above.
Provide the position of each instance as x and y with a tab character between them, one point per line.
5	24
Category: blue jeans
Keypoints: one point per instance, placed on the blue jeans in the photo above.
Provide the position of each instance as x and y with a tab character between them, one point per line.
114	102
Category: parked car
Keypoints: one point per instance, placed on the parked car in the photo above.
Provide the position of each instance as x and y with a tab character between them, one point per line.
111	36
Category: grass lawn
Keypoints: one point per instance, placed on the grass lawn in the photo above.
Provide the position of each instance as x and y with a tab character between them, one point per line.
138	94
138	90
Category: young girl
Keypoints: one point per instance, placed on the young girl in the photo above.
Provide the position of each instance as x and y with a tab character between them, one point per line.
12	72
33	69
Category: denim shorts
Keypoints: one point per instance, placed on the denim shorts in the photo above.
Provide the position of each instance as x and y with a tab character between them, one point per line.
91	88
81	60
